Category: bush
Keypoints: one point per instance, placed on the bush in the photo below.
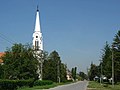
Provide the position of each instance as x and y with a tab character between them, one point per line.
21	83
8	85
14	84
42	83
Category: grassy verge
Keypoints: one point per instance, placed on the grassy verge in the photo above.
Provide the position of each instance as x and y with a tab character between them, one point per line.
97	86
43	87
38	87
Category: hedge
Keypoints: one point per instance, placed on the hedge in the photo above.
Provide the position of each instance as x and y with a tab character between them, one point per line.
15	84
42	83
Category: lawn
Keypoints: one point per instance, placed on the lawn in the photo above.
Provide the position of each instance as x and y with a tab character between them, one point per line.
43	87
39	87
97	86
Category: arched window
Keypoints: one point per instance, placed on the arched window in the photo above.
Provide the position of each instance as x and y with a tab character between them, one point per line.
36	45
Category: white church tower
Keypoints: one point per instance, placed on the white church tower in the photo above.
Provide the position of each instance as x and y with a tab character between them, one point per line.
38	44
37	35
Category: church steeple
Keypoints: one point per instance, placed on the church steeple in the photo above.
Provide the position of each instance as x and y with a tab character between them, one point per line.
37	22
37	35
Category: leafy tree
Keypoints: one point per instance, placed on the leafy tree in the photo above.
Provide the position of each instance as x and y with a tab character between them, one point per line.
41	57
94	71
1	72
53	69
19	62
83	75
50	67
63	73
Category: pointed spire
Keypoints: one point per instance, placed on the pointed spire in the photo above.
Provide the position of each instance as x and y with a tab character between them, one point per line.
37	22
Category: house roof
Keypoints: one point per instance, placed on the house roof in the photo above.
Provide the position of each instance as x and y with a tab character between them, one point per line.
1	54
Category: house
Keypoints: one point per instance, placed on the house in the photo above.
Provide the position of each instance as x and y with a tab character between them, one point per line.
1	55
69	75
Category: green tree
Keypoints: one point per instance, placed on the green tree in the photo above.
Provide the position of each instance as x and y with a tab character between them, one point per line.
74	72
53	69
63	73
94	71
116	55
19	62
83	75
1	72
106	61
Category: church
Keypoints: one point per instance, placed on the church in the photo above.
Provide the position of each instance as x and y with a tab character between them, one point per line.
38	43
37	35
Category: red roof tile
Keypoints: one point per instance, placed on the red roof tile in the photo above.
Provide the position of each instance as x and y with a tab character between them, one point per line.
1	54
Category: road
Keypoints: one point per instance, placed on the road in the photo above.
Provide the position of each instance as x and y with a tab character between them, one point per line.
81	85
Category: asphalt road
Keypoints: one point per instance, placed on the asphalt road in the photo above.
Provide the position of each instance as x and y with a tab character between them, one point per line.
81	85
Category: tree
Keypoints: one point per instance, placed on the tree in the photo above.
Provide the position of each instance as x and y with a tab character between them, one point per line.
63	72
74	72
19	62
94	71
1	72
116	55
53	69
107	58
106	61
83	75
50	67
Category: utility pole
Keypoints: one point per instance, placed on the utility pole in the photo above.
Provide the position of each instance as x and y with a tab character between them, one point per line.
58	71
112	67
87	74
101	72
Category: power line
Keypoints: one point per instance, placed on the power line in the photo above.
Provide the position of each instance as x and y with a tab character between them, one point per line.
6	38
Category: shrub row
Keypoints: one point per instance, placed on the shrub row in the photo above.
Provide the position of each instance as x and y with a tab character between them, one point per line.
42	83
14	84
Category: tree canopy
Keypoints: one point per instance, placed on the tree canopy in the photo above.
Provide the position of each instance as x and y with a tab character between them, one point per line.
53	69
19	62
109	52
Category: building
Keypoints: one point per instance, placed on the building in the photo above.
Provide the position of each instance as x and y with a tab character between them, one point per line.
1	55
69	75
38	43
37	35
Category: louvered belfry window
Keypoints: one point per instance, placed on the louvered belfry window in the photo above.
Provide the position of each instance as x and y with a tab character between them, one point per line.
36	45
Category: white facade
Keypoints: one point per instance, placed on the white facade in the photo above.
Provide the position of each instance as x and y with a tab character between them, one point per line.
38	44
37	35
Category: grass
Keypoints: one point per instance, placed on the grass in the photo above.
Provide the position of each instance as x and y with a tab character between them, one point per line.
43	87
39	87
97	86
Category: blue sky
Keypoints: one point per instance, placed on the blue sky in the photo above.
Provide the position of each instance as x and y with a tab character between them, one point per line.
76	29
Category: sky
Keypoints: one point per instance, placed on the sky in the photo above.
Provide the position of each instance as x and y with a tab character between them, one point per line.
76	29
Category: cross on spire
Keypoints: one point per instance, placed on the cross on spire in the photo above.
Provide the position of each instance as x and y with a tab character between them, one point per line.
37	8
